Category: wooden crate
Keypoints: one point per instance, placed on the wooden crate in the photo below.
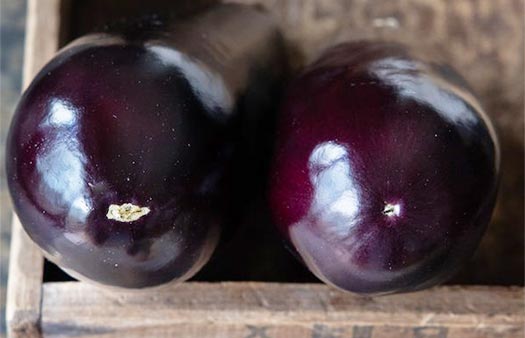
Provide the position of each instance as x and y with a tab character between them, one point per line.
483	38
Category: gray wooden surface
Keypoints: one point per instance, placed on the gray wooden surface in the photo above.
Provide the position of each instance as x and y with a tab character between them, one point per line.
12	23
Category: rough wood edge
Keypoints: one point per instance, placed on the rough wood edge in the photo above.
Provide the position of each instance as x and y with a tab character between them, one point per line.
24	285
213	309
43	28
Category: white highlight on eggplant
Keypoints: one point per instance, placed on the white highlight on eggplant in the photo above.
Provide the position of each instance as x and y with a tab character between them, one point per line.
126	212
336	197
391	210
208	85
61	114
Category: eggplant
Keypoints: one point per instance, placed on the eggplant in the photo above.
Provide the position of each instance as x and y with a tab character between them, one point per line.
385	170
119	154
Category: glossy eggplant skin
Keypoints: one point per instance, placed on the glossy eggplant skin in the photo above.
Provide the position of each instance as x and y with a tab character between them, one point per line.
385	170
115	120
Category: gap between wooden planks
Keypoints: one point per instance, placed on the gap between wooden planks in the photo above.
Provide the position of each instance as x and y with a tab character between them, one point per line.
279	310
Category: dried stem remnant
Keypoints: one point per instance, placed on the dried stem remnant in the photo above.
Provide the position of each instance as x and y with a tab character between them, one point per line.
126	212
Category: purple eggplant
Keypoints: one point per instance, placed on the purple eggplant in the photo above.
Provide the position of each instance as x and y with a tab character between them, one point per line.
385	171
120	150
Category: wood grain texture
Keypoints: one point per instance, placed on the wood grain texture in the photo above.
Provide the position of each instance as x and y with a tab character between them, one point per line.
278	310
43	27
24	285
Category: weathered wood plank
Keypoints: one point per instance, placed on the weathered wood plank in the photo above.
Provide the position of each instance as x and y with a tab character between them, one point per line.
24	285
278	310
43	26
298	331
